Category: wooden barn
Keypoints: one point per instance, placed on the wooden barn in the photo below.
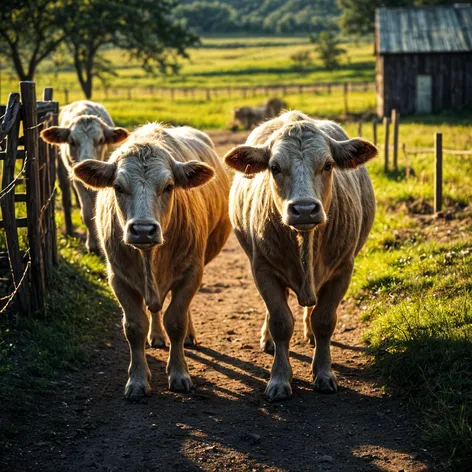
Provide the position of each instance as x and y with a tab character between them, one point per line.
424	59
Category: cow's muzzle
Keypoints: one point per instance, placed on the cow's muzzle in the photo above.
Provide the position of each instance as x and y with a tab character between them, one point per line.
304	215
143	234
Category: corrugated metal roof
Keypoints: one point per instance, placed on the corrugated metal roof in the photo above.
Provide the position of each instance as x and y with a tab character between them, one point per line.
425	29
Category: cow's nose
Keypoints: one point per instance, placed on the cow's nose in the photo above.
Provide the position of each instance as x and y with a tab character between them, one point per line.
143	233
304	214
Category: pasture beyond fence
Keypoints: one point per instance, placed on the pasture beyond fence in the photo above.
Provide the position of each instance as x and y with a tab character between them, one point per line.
27	199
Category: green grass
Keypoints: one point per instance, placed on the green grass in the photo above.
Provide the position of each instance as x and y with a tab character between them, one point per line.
33	350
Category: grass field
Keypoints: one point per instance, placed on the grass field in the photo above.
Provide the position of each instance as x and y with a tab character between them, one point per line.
412	281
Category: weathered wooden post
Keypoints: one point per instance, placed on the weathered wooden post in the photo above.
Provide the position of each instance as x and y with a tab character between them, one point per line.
374	131
386	128
438	172
346	108
66	96
359	128
395	120
33	200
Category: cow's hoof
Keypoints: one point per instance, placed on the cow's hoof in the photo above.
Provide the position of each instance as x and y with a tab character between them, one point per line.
326	383
157	341
278	390
135	390
190	341
268	346
310	339
179	382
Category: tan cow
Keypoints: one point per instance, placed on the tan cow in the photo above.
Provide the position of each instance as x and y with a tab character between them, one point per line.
253	116
86	131
302	216
158	231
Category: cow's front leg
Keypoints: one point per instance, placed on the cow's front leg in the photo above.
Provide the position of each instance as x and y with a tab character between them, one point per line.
157	335
280	322
323	322
176	321
87	212
136	327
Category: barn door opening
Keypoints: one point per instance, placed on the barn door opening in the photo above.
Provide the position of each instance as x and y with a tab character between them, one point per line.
424	94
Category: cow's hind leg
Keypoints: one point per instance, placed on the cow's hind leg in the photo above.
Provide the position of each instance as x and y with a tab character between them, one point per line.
87	211
323	322
266	342
307	329
136	326
280	324
176	322
191	338
157	334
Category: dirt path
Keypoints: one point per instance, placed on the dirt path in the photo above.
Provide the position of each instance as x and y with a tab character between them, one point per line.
226	423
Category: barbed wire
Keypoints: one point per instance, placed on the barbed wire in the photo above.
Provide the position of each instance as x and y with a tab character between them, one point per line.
17	288
11	186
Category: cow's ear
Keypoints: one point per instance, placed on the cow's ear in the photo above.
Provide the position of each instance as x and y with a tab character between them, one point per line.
248	159
55	135
95	174
115	135
352	153
192	174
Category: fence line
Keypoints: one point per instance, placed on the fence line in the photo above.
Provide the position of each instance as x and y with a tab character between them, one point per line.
208	93
30	269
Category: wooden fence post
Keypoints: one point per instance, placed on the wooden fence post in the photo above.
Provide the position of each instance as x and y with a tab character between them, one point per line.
395	120
374	131
8	203
438	172
48	94
386	127
359	128
31	135
208	95
66	96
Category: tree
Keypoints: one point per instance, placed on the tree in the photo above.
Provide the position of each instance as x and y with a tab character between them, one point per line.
327	45
208	16
358	15
143	28
301	60
29	33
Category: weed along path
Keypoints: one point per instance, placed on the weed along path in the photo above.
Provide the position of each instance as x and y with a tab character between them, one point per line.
226	423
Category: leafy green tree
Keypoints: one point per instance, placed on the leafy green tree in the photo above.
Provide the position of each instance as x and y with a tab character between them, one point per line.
29	33
327	45
144	28
301	60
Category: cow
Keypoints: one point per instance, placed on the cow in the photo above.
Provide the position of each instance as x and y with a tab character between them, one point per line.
86	131
253	116
159	224
302	206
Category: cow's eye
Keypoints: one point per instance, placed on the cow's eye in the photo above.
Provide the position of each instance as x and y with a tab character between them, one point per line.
275	170
169	188
118	189
328	166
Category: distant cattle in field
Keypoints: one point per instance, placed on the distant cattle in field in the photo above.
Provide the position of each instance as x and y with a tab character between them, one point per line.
249	117
159	225
301	217
86	131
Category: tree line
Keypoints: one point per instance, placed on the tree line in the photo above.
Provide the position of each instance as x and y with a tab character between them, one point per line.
77	32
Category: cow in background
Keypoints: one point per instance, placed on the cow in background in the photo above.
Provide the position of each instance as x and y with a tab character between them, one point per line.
86	131
249	117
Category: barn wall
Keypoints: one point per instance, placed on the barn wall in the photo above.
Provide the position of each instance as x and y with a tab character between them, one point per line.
451	76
